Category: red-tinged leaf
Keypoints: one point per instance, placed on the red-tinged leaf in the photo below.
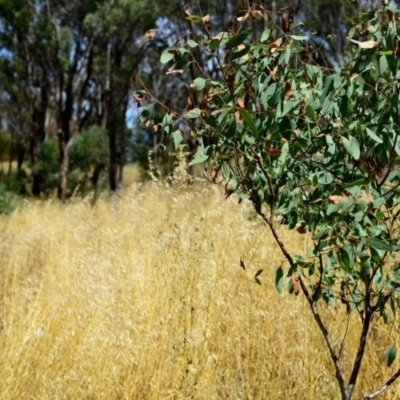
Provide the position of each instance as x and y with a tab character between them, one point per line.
284	23
273	152
239	117
302	228
289	94
296	284
392	17
147	36
174	71
240	103
139	99
274	72
190	104
204	106
273	46
316	201
214	174
335	199
207	22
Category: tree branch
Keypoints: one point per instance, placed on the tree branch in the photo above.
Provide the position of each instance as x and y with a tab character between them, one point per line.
313	306
384	387
368	312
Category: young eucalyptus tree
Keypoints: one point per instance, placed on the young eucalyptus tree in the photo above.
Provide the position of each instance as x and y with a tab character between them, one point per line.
313	149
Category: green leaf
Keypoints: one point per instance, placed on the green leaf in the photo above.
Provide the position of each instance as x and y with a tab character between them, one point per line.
195	18
320	233
390	355
279	278
249	139
332	208
287	54
193	114
325	178
166	55
178	137
200	157
392	62
373	136
247	118
192	43
199	83
358	182
236	40
265	36
383	64
352	146
310	111
378	244
214	44
297	37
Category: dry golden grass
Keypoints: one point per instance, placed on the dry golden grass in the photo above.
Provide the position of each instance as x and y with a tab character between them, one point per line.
143	297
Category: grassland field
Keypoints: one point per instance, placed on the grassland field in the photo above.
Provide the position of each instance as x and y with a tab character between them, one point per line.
142	297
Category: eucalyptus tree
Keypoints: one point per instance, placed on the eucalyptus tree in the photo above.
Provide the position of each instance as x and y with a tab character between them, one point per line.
25	88
312	148
118	26
47	54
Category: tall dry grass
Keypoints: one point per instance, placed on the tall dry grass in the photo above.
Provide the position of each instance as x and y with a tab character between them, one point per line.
143	297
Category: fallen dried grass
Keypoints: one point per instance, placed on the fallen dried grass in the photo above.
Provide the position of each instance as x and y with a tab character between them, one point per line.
143	297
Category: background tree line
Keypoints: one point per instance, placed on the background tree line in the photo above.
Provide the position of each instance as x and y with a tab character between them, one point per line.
68	68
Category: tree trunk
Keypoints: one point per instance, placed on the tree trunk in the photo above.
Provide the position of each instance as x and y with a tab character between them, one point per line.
21	155
63	171
116	128
34	155
96	175
117	159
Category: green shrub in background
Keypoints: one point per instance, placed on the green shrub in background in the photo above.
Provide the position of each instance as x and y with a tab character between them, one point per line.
48	165
8	201
5	146
18	182
89	158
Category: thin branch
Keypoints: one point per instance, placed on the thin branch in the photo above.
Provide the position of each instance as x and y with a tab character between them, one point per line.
268	178
345	335
313	306
321	273
368	312
384	387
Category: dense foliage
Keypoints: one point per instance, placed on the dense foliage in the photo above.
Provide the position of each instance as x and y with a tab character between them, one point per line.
69	66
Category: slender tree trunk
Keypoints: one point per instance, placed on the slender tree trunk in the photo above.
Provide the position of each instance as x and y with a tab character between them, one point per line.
34	155
10	158
121	161
63	171
116	132
113	157
21	155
